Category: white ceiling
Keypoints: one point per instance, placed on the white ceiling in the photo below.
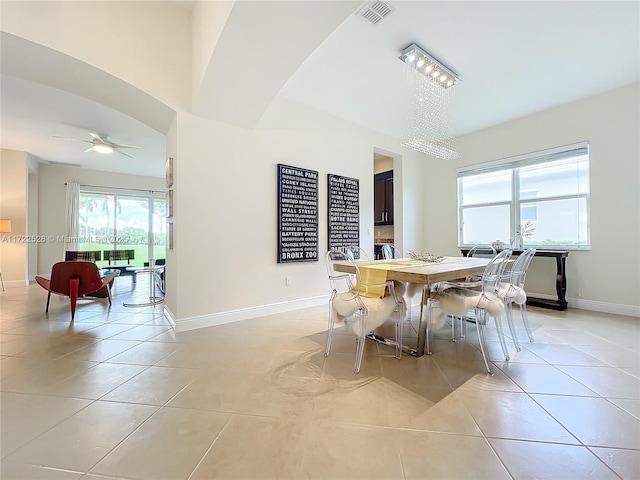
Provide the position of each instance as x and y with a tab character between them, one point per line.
513	58
32	114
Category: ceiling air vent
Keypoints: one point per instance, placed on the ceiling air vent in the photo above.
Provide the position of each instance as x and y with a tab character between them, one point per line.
374	12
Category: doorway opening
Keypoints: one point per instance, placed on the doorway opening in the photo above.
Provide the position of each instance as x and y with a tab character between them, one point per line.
384	218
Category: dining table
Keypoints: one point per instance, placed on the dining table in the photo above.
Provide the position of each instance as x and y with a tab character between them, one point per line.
423	273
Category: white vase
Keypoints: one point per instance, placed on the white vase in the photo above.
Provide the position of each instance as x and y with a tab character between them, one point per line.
518	242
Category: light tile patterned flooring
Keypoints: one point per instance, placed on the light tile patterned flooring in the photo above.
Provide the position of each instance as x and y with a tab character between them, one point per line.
118	394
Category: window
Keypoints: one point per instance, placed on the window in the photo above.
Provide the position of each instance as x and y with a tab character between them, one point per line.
110	221
548	189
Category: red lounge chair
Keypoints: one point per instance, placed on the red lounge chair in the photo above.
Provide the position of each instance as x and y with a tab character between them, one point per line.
76	279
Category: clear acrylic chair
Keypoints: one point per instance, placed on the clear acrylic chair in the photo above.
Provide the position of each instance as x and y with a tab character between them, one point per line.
455	299
482	250
471	282
389	252
351	296
512	292
357	253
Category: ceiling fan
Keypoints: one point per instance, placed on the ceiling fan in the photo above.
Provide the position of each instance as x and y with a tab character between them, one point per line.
102	144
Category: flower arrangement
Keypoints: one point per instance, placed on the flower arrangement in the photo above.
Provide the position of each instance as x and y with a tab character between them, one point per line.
526	229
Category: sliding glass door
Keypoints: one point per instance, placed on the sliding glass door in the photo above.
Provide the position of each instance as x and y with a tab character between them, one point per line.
123	222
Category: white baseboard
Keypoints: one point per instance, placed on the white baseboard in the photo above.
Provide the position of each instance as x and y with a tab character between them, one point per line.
596	306
15	283
201	321
168	314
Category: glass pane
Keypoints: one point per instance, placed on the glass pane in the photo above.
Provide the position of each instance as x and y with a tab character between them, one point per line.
528	212
486	188
559	222
96	222
159	228
132	226
553	179
485	224
120	222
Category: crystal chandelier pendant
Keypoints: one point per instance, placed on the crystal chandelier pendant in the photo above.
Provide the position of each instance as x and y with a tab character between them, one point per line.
430	127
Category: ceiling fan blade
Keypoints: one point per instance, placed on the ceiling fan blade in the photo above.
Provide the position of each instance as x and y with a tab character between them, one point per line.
75	139
101	137
124	153
119	145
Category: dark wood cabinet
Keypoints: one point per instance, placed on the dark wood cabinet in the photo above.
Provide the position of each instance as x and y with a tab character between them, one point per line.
383	198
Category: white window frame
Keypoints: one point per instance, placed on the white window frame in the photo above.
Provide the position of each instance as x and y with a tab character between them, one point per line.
514	164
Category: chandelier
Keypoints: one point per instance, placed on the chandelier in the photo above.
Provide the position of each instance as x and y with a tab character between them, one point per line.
430	127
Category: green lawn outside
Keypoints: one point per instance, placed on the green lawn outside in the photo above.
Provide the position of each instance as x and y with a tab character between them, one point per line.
141	252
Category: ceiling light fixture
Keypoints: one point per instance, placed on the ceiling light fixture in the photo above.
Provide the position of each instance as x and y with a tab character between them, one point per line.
430	130
101	148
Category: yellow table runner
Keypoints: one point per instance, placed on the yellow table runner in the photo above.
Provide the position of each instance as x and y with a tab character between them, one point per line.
372	276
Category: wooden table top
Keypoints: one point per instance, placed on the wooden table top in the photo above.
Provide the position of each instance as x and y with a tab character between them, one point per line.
452	268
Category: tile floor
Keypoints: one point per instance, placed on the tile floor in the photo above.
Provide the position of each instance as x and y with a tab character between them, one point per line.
119	395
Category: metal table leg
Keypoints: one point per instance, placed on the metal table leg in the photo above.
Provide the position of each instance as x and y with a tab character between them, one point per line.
153	300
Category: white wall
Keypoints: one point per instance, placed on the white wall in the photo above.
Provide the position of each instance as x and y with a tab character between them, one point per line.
606	278
226	208
13	206
51	203
170	273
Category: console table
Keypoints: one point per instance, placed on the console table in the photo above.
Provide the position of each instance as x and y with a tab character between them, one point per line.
561	279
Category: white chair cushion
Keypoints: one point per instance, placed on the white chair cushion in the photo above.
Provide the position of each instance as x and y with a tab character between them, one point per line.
509	290
414	289
458	305
379	310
